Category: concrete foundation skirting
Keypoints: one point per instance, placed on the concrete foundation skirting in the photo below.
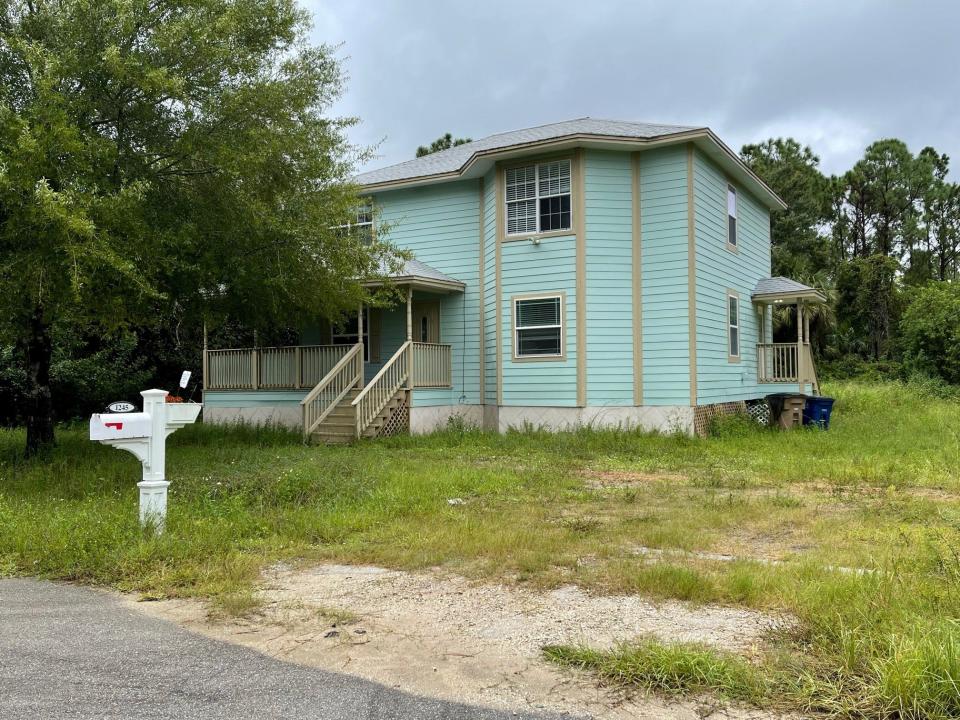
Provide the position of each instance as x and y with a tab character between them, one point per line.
672	418
436	417
669	418
286	415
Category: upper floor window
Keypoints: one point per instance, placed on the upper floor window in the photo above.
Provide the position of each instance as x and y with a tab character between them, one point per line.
538	324
538	198
361	226
731	216
733	326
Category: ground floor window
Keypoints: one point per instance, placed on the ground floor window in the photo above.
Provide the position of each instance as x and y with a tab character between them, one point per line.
733	326
538	326
347	333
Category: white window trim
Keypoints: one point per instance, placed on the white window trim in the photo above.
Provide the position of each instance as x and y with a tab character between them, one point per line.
731	357
735	245
507	235
350	226
562	296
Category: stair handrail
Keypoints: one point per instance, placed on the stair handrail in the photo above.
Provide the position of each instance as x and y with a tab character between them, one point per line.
384	385
343	376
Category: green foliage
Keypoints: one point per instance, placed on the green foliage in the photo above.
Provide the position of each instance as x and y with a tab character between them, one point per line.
930	331
444	142
733	425
868	304
673	668
170	160
799	249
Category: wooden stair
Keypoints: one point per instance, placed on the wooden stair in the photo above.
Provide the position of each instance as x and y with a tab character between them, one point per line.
340	426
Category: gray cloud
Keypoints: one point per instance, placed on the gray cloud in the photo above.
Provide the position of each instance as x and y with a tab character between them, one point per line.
836	75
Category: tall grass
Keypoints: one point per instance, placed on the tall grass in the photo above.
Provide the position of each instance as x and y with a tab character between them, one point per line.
879	491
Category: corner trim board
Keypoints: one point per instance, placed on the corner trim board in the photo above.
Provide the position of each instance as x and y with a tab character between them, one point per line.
691	277
482	296
498	174
581	280
637	270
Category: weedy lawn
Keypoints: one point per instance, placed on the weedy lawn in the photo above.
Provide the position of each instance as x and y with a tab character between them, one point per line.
855	532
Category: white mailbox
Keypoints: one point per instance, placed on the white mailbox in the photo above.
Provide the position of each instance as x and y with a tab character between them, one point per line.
145	435
116	426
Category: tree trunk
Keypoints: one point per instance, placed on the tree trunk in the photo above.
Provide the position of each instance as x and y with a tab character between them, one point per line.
39	351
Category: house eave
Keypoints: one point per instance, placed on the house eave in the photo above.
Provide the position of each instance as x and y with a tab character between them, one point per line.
475	166
418	283
789	298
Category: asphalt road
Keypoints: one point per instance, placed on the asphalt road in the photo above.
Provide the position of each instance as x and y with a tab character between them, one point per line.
71	652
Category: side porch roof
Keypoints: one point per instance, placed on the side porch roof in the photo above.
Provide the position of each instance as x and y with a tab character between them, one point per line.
421	276
785	290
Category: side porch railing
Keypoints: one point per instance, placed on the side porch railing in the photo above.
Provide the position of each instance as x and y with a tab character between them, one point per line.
270	368
431	365
786	363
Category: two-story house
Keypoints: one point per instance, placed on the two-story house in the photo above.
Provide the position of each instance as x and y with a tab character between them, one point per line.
584	272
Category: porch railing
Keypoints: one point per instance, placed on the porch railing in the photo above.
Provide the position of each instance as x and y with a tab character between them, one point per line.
431	365
374	397
342	378
271	368
778	363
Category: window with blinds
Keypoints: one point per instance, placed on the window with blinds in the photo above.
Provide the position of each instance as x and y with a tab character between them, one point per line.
539	327
538	198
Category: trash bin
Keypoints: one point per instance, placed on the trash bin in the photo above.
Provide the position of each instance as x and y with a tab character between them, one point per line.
786	409
817	412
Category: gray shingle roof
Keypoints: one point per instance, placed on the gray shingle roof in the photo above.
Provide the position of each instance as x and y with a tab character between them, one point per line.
782	286
452	160
416	270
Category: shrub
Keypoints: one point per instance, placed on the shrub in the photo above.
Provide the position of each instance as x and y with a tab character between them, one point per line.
930	332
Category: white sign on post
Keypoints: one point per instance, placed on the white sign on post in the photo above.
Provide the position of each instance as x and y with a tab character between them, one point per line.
145	435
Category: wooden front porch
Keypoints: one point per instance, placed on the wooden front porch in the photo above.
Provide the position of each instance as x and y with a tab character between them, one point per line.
341	404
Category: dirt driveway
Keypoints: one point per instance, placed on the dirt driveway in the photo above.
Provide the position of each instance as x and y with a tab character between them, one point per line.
441	636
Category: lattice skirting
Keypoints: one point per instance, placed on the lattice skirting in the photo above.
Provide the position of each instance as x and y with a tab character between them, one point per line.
703	414
399	421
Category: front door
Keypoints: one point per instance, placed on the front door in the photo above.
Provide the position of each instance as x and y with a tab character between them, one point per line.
426	321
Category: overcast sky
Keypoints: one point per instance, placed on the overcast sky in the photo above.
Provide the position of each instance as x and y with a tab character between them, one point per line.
835	74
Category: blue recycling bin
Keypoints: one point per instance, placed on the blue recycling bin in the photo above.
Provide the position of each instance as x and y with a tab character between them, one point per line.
817	412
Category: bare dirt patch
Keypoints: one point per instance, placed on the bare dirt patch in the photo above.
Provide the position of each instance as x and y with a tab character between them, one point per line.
614	479
440	635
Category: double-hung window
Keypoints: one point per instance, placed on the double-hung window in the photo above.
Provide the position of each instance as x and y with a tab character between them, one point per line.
731	217
538	324
361	227
733	326
538	198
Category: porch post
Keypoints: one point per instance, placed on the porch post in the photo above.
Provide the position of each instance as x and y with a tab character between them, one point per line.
410	337
205	365
360	338
801	375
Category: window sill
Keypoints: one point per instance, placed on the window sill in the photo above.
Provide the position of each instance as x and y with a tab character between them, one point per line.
735	249
538	358
539	236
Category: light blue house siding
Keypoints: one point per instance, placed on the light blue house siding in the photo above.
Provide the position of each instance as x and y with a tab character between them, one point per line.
490	287
439	224
663	229
609	252
720	270
545	268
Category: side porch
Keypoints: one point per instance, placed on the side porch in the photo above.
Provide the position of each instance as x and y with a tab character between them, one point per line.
360	380
786	364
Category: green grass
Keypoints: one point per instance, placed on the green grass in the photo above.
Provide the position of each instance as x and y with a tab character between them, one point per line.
879	491
672	668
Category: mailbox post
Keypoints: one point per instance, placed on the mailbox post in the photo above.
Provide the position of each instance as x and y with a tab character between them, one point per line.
144	434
